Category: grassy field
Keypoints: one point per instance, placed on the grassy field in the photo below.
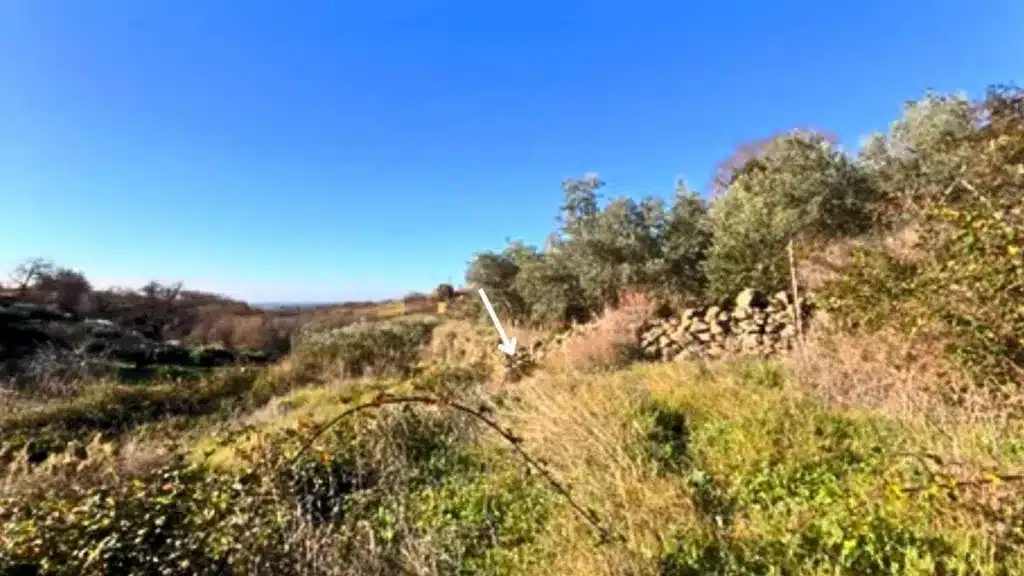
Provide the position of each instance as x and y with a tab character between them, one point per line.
439	467
394	437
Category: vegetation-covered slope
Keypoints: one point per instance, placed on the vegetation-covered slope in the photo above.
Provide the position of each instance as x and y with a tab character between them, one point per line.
888	441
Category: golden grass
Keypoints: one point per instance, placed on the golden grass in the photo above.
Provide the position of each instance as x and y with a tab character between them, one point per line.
586	430
590	432
611	342
581	428
389	310
909	382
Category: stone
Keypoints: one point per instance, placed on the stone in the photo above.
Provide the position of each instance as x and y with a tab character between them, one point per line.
711	314
750	298
686	355
748	328
751	341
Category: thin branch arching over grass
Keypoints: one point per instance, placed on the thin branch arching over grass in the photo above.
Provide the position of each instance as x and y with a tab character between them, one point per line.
384	399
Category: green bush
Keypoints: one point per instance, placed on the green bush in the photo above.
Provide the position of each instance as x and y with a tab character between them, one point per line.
410	478
797	186
825	496
964	284
164	525
387	349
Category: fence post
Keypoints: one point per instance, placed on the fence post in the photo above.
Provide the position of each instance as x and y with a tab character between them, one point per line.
797	309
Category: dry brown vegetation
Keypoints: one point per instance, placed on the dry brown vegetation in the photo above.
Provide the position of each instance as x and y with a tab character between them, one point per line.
173	312
610	342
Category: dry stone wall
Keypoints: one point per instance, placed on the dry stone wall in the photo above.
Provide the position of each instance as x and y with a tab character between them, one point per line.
752	323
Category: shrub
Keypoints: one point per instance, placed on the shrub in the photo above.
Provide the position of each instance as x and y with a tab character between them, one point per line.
386	348
553	293
797	186
160	526
445	293
966	288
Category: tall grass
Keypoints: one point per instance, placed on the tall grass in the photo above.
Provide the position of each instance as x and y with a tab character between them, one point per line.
820	467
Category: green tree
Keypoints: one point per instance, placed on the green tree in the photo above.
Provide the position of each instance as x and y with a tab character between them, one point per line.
798	187
962	187
916	160
496	273
685	240
552	290
609	249
444	292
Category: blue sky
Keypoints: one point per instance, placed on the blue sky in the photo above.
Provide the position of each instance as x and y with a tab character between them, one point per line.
325	150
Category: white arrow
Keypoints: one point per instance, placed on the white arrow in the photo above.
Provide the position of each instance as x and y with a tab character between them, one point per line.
507	346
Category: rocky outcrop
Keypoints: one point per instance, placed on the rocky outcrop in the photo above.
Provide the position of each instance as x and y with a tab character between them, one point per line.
751	324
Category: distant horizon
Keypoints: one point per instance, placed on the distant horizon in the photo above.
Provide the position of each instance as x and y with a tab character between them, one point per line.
341	152
259	303
276	305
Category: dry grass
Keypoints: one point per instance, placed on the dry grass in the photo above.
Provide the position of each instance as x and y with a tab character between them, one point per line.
461	343
909	382
272	329
79	466
458	341
877	371
582	428
611	342
592	432
586	430
262	331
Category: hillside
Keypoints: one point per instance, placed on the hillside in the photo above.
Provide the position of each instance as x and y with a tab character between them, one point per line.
818	371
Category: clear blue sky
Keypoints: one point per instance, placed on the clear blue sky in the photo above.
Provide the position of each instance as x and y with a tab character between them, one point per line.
324	150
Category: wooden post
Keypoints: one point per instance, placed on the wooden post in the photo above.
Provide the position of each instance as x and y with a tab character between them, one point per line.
797	309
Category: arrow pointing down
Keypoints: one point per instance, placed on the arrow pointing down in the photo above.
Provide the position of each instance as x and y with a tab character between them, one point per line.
507	346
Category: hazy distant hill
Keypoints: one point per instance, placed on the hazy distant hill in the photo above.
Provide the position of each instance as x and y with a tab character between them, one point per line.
290	305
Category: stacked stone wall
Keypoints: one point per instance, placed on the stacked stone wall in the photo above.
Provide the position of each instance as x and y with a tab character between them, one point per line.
752	323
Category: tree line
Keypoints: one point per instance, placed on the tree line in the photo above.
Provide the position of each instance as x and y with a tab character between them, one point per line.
921	228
